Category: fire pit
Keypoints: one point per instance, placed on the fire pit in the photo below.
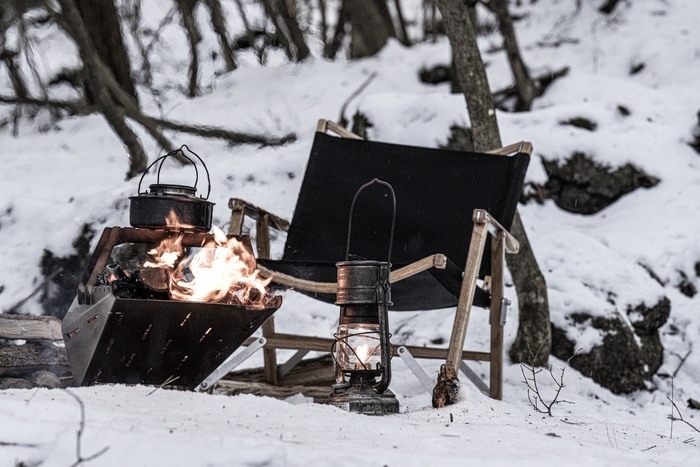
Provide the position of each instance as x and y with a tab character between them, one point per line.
166	304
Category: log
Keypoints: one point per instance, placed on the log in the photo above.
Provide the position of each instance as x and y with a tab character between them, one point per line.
155	279
20	360
318	393
30	327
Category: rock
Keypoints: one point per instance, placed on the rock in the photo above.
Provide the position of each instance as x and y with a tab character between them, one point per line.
63	273
695	142
582	186
647	320
45	379
14	383
460	139
628	357
436	75
360	125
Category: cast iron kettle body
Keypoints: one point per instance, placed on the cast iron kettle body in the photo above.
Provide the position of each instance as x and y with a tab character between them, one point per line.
170	206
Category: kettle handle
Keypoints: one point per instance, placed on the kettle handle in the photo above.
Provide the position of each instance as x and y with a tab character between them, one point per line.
172	154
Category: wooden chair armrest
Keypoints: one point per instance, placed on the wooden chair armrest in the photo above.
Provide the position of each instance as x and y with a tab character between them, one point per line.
326	125
249	209
264	219
296	283
515	148
481	216
438	261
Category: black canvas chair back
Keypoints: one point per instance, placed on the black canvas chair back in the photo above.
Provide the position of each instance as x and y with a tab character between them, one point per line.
436	192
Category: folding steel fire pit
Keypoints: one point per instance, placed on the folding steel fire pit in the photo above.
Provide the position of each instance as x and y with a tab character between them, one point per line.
124	326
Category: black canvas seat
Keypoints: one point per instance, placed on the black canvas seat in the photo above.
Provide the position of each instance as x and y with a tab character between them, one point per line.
439	195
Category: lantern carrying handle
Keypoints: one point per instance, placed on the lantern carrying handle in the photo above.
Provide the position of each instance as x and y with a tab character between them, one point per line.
180	150
393	216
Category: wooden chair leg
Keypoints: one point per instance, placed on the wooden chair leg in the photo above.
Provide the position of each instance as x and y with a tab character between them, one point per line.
270	355
268	328
497	284
466	293
263	246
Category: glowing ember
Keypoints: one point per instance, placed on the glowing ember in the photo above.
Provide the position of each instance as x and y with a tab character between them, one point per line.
221	273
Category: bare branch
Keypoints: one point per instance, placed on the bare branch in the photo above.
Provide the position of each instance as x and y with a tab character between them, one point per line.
342	120
233	137
78	445
534	395
679	418
77	107
47	279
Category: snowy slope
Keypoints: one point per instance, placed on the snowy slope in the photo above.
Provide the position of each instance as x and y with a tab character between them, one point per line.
58	176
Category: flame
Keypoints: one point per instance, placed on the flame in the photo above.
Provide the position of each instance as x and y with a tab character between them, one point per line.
221	273
363	353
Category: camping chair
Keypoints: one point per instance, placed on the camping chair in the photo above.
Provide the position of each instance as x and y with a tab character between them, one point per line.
447	204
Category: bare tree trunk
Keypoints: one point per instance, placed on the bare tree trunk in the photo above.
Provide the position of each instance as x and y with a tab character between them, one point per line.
13	71
526	88
430	20
259	51
471	73
132	16
103	27
371	26
331	49
186	8
284	15
534	329
533	341
324	23
403	33
113	113
218	22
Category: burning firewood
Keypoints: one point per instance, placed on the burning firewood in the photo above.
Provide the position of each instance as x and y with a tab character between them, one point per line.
155	279
147	284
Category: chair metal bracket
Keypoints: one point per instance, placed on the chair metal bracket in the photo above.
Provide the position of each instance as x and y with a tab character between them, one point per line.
416	369
230	364
505	304
474	378
289	365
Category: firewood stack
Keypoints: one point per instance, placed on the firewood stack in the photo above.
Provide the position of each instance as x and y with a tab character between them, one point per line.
32	352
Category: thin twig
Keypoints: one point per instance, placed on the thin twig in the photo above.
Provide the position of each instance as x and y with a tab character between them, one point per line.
341	119
169	379
533	391
679	418
38	288
683	359
671	416
80	459
18	445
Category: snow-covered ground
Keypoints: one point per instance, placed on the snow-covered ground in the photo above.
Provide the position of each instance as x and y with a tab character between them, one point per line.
58	176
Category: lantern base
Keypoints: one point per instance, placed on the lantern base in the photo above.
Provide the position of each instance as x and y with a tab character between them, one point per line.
364	400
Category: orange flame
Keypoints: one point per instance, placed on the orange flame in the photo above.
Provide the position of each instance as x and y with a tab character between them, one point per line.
223	273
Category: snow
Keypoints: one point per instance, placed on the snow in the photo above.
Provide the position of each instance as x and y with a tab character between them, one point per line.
57	176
